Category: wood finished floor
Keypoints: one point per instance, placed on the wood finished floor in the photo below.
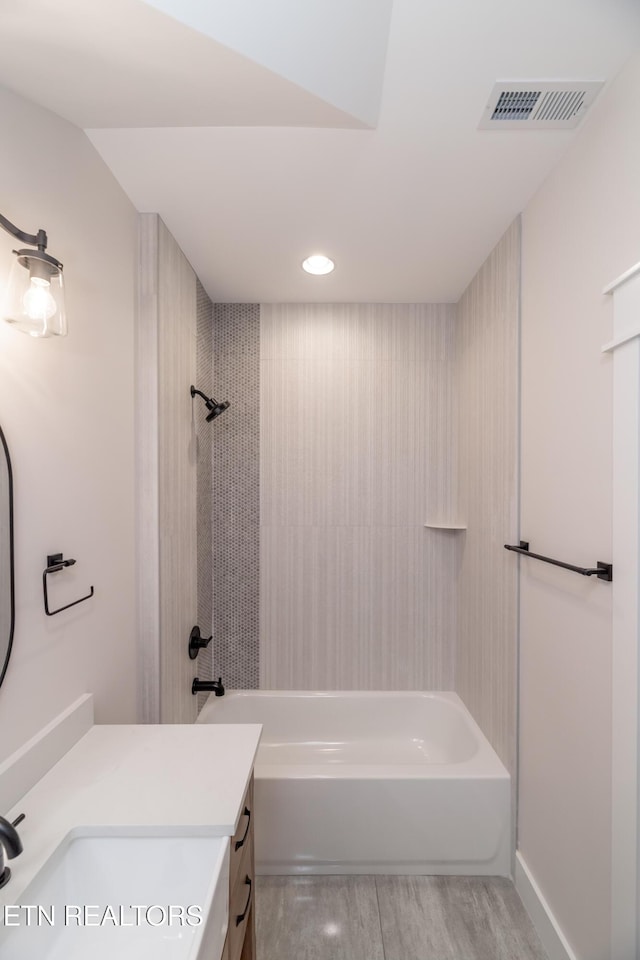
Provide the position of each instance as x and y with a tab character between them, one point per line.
392	918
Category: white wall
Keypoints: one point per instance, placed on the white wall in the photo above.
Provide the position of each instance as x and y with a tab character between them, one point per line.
579	232
66	406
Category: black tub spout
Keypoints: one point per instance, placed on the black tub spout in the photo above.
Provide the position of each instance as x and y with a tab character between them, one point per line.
208	686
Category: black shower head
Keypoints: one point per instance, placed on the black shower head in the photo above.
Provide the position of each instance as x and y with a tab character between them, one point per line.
215	408
212	405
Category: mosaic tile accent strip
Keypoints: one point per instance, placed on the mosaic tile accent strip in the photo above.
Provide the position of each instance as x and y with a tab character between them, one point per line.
204	364
235	495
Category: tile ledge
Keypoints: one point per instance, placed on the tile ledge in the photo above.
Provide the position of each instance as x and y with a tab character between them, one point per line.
446	526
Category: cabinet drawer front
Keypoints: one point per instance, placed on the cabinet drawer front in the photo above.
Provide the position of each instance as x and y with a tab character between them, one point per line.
240	905
243	835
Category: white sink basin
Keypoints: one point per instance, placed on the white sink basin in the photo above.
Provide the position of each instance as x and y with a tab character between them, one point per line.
92	885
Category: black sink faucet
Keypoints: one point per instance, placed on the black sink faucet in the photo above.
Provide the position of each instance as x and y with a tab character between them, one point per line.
11	844
209	686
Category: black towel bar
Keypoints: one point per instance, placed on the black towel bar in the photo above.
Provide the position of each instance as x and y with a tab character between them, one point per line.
603	571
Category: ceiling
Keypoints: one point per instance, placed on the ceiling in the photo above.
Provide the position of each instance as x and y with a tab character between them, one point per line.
347	127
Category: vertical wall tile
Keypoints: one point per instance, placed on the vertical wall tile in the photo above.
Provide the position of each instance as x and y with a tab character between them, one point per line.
357	451
204	373
177	475
147	472
167	475
487	396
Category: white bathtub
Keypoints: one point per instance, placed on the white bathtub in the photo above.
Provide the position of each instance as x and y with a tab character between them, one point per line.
352	782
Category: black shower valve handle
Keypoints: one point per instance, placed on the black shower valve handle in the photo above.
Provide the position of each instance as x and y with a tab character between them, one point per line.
197	643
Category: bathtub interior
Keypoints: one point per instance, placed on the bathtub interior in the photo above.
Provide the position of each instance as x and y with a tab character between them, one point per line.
348	727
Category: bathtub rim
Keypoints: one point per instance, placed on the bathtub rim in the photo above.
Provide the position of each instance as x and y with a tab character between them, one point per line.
484	765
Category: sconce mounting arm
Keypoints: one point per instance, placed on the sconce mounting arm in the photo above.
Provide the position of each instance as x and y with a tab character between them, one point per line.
38	239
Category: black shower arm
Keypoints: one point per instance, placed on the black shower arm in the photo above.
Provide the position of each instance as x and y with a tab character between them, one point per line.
207	400
194	391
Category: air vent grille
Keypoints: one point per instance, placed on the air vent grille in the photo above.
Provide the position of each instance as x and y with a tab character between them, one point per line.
560	105
515	104
538	105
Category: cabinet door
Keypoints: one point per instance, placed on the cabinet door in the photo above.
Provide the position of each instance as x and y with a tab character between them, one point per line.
241	938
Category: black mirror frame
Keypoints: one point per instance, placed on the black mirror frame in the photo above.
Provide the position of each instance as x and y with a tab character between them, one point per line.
4	447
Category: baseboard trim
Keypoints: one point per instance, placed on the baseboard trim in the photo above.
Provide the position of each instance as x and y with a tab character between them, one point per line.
547	927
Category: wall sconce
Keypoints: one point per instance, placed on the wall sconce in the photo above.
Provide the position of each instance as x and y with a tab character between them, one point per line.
34	301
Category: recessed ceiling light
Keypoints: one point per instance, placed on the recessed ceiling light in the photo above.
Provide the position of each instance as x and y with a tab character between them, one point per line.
318	264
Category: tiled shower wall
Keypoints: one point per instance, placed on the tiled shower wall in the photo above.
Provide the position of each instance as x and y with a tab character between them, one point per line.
488	398
204	374
167	475
357	451
352	425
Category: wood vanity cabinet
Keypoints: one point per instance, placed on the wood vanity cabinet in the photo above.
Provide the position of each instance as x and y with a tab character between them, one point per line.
241	935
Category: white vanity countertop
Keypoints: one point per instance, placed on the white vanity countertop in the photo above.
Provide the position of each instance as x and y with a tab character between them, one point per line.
140	778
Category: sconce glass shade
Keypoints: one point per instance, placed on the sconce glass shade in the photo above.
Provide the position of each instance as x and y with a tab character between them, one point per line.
34	301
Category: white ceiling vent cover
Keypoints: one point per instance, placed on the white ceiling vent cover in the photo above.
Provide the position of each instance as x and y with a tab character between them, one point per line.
538	104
